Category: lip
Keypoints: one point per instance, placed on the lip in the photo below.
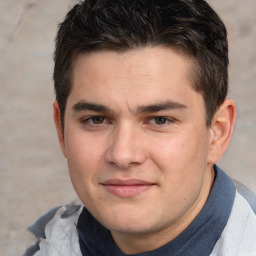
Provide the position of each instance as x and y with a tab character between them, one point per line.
127	188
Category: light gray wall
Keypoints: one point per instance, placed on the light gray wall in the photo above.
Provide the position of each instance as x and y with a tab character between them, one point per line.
33	173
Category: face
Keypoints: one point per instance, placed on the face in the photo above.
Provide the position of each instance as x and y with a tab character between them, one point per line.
136	140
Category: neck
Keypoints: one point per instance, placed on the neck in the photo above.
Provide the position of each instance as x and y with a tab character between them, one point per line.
131	243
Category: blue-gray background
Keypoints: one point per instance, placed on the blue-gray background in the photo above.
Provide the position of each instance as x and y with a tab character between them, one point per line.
33	173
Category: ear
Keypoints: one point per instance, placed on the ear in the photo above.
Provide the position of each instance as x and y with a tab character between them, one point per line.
58	124
221	130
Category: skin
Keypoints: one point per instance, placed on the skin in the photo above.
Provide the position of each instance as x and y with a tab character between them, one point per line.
134	116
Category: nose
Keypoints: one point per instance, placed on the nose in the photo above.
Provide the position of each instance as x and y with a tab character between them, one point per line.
126	148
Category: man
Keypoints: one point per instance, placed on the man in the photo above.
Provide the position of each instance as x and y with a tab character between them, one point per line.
142	117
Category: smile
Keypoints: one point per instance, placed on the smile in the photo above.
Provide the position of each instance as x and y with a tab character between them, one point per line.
127	188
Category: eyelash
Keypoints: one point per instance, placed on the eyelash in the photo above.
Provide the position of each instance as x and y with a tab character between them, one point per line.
151	120
165	119
89	120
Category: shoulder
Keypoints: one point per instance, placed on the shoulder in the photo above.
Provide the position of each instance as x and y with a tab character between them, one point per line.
248	195
239	236
55	232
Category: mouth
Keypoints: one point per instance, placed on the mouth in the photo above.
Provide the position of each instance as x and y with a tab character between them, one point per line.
127	188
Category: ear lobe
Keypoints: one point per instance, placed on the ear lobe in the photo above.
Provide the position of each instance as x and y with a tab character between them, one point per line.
221	130
58	125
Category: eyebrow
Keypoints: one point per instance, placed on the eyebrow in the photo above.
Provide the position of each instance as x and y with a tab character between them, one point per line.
161	106
167	105
83	106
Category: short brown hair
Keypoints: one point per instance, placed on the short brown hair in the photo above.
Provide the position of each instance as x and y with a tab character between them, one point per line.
190	27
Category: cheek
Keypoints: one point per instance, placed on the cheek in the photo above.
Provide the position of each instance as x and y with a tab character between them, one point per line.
182	162
181	158
84	156
173	151
185	147
84	148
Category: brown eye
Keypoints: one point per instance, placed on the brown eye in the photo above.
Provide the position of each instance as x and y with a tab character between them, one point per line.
160	120
97	119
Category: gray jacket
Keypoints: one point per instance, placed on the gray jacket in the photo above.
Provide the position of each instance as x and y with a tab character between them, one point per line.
57	235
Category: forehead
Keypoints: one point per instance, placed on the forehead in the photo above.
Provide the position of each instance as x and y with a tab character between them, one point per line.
149	60
135	76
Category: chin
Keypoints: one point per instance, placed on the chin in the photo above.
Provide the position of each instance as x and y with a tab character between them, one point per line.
128	228
129	222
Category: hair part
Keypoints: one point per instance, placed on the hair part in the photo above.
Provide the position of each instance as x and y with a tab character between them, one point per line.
190	27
